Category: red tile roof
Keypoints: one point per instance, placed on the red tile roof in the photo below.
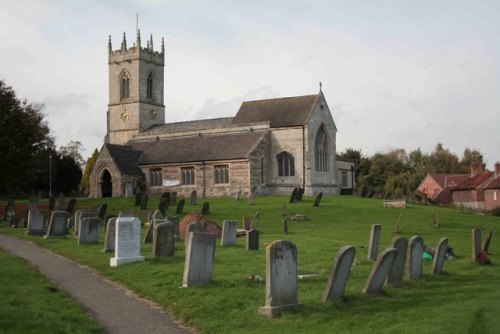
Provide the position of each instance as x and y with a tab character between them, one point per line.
493	183
474	181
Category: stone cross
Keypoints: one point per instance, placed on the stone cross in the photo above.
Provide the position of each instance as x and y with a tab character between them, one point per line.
89	231
439	256
199	260
127	241
57	225
193	197
163	239
252	240
228	233
395	277
414	257
318	199
381	269
281	278
180	207
109	240
335	286
36	222
205	209
476	243
374	240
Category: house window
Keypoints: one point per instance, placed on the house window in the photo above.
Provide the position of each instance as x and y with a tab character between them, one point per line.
344	179
149	86
262	171
321	150
494	195
286	164
124	87
221	174
155	177
187	175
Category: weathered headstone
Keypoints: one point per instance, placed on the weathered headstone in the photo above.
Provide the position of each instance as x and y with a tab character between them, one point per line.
414	257
193	197
284	226
246	224
381	269
109	240
252	240
194	227
144	202
175	222
70	223
36	222
337	280
486	244
102	211
124	214
52	203
158	215
255	220
71	205
300	194
173	197
395	277
10	209
198	265
281	278
89	231
238	195
60	202
374	240
180	207
439	256
163	239
127	241
57	225
476	243
138	198
293	194
318	199
228	233
80	215
163	205
166	195
205	209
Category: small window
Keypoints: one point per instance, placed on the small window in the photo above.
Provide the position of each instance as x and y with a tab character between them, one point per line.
155	177
321	152
344	179
149	86
187	175
494	195
221	174
286	164
124	87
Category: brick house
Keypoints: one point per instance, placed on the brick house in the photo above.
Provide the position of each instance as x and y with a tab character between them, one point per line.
491	189
437	187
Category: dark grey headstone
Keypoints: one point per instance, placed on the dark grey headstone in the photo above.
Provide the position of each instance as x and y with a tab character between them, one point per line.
57	225
89	231
109	240
380	270
193	197
52	203
284	226
138	198
374	240
144	202
173	197
163	240
166	195
252	240
293	195
318	199
439	256
238	195
300	194
175	222
486	244
180	207
71	205
163	205
205	210
334	290
102	211
395	277
414	257
36	222
80	215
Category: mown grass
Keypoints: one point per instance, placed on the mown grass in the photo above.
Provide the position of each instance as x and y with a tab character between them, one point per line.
465	298
30	303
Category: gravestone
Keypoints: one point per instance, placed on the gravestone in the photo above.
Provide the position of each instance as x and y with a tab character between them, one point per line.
70	223
194	227
166	195
89	231
337	280
52	203
127	241
228	233
173	197
138	198
439	256
252	240
374	240
246	224
175	222
318	199
10	209
123	214
414	257
36	222
193	197
476	243
238	195
486	244
163	205
71	205
381	269
60	202
180	207
284	226
80	215
205	209
163	239
57	225
300	194
102	211
148	236
109	239
255	220
199	260
293	194
395	277
157	215
281	278
144	202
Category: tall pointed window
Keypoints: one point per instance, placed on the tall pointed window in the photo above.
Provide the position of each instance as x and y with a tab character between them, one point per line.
149	86
286	164
321	150
124	86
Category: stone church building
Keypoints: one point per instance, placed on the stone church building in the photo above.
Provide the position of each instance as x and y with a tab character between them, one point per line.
270	145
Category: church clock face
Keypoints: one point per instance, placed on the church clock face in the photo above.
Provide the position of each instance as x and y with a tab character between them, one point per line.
153	114
124	115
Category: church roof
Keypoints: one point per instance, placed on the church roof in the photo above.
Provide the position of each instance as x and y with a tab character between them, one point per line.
197	125
281	112
125	158
199	148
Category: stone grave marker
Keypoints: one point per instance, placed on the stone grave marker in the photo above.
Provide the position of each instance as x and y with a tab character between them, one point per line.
439	256
109	240
281	278
52	203
193	197
138	198
414	257
318	199
79	216
175	222
228	233
293	195
127	241
60	202
395	277
157	215
195	227
300	194
36	222
238	195
180	207
252	240
163	205
374	240
246	224
144	202
148	236
173	197
89	231
486	244
476	243
166	195
57	225
123	214
205	209
163	239
255	220
284	226
70	223
199	260
381	269
71	205
337	280
102	211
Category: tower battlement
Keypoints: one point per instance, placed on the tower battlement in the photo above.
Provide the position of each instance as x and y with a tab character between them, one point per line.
147	53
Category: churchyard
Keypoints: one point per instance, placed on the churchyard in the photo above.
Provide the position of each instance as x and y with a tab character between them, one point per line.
461	296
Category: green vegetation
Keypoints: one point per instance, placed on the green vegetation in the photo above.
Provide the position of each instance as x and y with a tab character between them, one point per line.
32	304
465	298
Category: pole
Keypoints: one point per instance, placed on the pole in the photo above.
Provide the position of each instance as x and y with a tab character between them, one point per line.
50	175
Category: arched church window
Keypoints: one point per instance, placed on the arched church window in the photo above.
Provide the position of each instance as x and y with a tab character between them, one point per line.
321	150
286	164
149	86
124	87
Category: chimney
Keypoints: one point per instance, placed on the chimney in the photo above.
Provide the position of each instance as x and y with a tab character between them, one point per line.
475	168
497	168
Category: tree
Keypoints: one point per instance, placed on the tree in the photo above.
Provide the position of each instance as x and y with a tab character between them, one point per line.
24	136
68	174
73	149
88	169
443	161
468	158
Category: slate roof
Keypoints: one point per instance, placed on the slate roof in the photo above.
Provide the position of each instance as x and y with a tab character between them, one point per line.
282	112
125	158
199	148
197	125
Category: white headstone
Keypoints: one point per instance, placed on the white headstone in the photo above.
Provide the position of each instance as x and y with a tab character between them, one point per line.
228	233
127	241
109	240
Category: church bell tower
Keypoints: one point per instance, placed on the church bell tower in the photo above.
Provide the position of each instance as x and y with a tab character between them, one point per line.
135	89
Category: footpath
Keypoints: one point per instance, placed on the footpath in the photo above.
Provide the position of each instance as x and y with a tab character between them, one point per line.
116	308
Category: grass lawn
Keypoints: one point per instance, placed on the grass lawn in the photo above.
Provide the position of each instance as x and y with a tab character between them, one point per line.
465	298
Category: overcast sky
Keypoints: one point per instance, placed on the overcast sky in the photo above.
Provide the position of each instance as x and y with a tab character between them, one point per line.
395	73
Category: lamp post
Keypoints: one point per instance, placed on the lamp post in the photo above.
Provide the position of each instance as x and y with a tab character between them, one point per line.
50	175
352	177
